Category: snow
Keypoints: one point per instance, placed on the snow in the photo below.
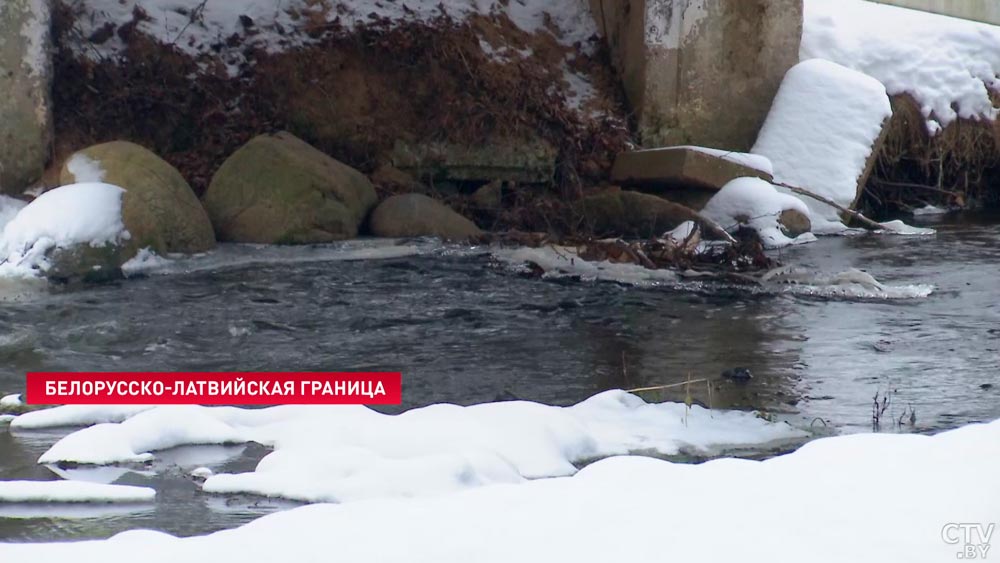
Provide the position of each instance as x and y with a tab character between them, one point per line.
85	169
948	65
88	213
352	474
9	207
145	261
202	472
756	204
77	415
71	491
929	210
11	400
863	498
898	227
351	452
820	133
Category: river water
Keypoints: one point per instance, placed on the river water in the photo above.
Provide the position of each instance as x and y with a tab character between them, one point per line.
464	328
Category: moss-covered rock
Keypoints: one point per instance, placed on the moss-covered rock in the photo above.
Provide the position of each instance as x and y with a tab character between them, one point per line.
414	215
614	212
277	189
87	263
159	209
794	222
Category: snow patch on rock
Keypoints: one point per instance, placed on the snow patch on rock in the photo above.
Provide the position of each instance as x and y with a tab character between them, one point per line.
87	213
756	204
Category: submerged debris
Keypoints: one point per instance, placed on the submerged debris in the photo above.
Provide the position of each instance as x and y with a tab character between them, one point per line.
690	256
741	375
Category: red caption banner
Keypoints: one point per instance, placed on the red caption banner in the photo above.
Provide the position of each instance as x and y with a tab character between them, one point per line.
207	388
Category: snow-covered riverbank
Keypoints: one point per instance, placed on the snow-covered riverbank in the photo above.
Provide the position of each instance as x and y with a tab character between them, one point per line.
861	498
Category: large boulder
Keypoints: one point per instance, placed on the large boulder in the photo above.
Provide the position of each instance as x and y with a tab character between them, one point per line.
159	208
277	189
25	83
413	215
614	212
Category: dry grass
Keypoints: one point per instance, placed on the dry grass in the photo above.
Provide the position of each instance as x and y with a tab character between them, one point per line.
958	167
352	94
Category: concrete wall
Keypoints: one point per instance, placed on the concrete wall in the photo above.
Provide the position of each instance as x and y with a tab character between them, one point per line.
701	71
25	82
987	11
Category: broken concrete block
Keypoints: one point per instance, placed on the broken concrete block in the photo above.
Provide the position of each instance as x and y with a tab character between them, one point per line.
686	175
824	132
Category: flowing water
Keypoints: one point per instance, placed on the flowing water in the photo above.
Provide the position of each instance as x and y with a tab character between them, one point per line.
464	328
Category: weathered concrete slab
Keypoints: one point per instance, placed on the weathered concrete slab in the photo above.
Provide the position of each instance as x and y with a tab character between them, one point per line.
701	72
25	84
524	161
688	175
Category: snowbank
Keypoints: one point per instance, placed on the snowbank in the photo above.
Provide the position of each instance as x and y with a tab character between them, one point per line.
88	213
11	400
860	498
71	491
9	208
77	415
820	132
346	453
947	65
756	204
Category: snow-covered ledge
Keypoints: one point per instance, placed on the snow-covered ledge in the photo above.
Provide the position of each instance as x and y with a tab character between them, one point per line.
25	83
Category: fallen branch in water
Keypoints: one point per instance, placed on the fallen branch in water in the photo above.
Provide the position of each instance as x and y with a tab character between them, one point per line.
868	223
713	228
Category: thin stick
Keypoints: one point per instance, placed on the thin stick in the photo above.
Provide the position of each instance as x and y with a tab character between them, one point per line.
854	214
660	387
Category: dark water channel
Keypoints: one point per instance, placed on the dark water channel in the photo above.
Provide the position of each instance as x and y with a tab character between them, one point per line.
464	329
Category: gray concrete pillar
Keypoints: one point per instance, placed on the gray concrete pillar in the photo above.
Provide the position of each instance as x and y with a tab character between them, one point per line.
701	72
25	92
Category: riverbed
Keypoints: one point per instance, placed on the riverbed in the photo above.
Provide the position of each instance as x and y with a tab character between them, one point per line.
465	328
